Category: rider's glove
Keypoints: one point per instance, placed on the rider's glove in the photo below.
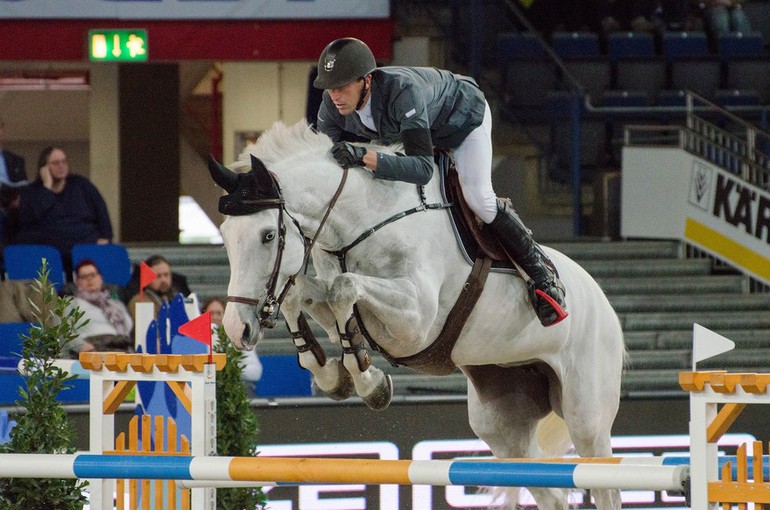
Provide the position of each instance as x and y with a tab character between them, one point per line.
348	155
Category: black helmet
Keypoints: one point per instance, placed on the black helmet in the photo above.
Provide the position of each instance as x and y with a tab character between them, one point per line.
343	61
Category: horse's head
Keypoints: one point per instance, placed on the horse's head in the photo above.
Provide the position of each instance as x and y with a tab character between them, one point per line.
262	256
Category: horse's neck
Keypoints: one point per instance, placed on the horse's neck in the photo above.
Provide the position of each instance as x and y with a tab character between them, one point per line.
362	204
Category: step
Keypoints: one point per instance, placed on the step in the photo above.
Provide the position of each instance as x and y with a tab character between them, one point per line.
682	339
684	320
593	250
181	255
646	267
700	303
684	286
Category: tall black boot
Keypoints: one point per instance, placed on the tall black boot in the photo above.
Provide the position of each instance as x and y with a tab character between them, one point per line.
545	290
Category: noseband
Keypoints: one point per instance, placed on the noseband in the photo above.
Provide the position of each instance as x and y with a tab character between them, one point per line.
272	305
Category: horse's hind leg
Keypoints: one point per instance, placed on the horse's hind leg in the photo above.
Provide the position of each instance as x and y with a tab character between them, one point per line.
589	407
504	408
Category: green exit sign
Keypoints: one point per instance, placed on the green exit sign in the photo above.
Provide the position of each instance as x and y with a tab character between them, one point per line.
120	45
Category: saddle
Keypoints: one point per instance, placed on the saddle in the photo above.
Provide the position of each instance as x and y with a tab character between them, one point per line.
474	239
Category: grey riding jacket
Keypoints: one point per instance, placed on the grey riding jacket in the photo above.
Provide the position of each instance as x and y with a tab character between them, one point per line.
421	107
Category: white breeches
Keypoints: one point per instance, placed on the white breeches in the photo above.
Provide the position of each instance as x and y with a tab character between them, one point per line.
473	158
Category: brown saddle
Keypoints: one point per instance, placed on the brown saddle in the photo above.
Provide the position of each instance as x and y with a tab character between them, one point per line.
472	234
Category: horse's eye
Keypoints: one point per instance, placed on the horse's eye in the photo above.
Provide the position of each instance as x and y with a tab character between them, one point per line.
269	236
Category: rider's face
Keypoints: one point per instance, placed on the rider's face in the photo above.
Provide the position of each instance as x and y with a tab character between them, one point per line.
346	98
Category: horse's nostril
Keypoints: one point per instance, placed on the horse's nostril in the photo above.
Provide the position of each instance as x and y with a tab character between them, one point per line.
246	332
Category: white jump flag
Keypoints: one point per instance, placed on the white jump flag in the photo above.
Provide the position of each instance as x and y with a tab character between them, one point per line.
707	344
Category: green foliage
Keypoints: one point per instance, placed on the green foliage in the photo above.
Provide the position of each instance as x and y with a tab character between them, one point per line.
44	427
237	426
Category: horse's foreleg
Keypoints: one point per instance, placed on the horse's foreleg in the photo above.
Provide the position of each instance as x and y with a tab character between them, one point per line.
393	303
329	375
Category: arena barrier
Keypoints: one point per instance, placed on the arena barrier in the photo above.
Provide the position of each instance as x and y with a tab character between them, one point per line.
193	377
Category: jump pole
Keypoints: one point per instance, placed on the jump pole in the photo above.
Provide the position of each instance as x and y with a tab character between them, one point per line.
347	471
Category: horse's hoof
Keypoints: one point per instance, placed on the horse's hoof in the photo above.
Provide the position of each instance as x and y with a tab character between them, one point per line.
379	399
344	388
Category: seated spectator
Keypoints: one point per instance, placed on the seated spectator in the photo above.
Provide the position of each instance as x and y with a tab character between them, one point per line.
109	323
251	367
725	16
161	289
12	175
59	209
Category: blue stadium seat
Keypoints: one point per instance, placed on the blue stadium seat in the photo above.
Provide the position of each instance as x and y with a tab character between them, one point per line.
111	259
23	262
684	45
10	339
283	377
736	44
572	45
526	74
728	98
622	45
582	59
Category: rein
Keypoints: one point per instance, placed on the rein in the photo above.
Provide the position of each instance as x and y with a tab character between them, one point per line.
269	311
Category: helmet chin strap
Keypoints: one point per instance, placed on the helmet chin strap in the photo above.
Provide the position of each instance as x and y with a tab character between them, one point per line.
364	91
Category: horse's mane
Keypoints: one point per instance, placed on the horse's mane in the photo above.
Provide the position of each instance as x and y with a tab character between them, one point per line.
282	142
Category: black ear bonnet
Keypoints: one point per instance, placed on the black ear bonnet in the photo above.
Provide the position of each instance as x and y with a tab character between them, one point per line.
248	192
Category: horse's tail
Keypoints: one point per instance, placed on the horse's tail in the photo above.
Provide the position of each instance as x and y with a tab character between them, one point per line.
552	436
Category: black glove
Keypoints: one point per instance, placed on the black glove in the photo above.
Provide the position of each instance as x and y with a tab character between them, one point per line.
348	155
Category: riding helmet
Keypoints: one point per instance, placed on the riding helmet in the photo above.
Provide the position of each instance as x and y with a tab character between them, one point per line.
343	61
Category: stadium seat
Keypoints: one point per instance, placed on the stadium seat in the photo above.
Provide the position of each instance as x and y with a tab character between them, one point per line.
636	66
738	45
24	261
111	259
684	45
583	60
571	45
10	339
622	45
283	377
525	73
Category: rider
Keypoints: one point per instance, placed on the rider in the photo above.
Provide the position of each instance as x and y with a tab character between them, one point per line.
422	107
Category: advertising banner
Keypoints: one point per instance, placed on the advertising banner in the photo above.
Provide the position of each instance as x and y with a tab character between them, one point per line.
193	9
669	193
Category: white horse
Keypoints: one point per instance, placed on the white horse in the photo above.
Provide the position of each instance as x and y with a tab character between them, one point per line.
403	279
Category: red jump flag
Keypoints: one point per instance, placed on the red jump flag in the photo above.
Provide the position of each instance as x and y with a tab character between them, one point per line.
199	329
146	277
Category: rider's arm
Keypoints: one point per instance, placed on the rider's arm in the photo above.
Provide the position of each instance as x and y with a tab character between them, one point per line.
416	166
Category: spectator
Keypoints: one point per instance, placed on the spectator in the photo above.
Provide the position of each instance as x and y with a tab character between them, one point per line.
251	367
725	16
59	209
12	175
12	169
109	323
161	289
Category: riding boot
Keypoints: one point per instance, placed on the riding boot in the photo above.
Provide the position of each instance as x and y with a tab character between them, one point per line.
545	290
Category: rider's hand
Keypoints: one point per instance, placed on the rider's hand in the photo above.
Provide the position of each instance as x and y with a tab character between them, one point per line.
348	155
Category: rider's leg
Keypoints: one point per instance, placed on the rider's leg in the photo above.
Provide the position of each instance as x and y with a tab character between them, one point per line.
474	168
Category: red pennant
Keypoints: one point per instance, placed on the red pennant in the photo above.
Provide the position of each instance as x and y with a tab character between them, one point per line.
199	329
146	277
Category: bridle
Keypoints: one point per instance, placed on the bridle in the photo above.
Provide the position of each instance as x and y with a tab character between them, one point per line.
272	305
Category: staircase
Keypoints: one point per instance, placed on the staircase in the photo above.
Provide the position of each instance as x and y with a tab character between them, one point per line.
657	294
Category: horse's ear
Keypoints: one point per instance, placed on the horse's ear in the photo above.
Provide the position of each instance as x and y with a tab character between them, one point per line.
264	179
223	176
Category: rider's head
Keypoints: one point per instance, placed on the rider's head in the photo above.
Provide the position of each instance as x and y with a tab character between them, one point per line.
344	69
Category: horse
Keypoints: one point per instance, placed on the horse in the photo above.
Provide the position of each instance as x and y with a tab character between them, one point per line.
395	267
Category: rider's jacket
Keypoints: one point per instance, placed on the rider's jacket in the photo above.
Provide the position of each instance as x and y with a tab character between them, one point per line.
420	107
